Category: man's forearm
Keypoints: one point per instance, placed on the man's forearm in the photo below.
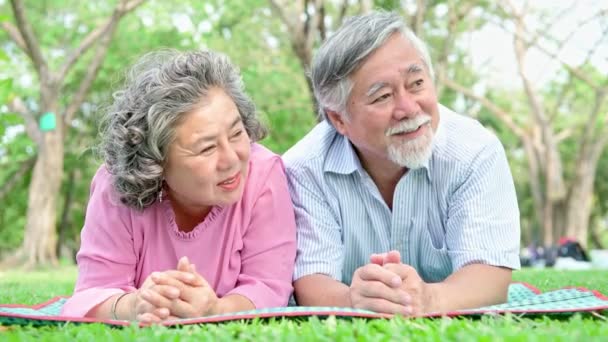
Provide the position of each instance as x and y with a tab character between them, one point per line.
321	290
472	286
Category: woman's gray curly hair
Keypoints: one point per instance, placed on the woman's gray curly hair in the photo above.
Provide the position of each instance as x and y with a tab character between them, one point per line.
139	126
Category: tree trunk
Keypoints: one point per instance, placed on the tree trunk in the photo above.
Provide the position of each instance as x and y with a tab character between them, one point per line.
594	237
579	202
40	237
65	244
315	104
560	219
305	58
547	224
535	185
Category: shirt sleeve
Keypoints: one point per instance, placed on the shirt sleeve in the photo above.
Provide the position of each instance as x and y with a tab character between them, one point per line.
483	215
269	245
320	246
106	259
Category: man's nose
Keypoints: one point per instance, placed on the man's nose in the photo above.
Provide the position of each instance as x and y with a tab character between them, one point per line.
405	105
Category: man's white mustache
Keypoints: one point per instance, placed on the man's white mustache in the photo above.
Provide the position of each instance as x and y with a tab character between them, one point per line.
409	125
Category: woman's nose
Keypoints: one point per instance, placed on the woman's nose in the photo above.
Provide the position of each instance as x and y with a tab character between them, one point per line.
228	157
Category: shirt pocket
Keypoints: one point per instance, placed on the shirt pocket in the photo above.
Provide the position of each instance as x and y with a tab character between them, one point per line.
434	262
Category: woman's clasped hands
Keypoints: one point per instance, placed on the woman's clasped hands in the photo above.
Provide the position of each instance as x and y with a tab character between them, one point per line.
172	294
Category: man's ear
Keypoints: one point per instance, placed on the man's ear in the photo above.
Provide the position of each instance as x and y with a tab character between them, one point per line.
337	121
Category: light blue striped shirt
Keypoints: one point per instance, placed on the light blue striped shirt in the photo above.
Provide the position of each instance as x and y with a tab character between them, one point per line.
459	209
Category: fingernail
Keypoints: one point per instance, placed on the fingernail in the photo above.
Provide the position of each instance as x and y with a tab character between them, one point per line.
174	292
405	299
396	281
407	310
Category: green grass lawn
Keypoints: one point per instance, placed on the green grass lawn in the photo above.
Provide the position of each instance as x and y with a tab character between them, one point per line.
35	287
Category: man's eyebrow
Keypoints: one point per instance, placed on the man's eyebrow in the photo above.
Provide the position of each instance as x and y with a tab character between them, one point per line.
375	87
413	69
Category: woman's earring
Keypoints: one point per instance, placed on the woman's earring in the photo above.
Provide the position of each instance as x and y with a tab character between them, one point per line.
160	192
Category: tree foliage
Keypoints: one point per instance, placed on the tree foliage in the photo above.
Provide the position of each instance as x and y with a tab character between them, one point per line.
273	66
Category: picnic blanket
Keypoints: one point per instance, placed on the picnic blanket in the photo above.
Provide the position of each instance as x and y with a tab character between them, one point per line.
523	299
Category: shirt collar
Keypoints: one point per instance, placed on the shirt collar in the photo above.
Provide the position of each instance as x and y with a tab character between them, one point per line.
439	140
341	157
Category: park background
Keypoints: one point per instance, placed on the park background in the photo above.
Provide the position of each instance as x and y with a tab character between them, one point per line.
535	73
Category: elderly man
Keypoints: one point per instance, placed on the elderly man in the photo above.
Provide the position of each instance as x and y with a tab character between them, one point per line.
402	206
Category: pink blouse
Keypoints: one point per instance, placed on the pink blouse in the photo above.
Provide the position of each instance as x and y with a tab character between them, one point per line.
247	248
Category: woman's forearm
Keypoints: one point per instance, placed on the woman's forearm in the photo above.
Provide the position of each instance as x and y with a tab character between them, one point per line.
232	303
123	310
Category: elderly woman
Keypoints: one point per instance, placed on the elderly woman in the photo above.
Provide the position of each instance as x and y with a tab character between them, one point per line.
188	216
